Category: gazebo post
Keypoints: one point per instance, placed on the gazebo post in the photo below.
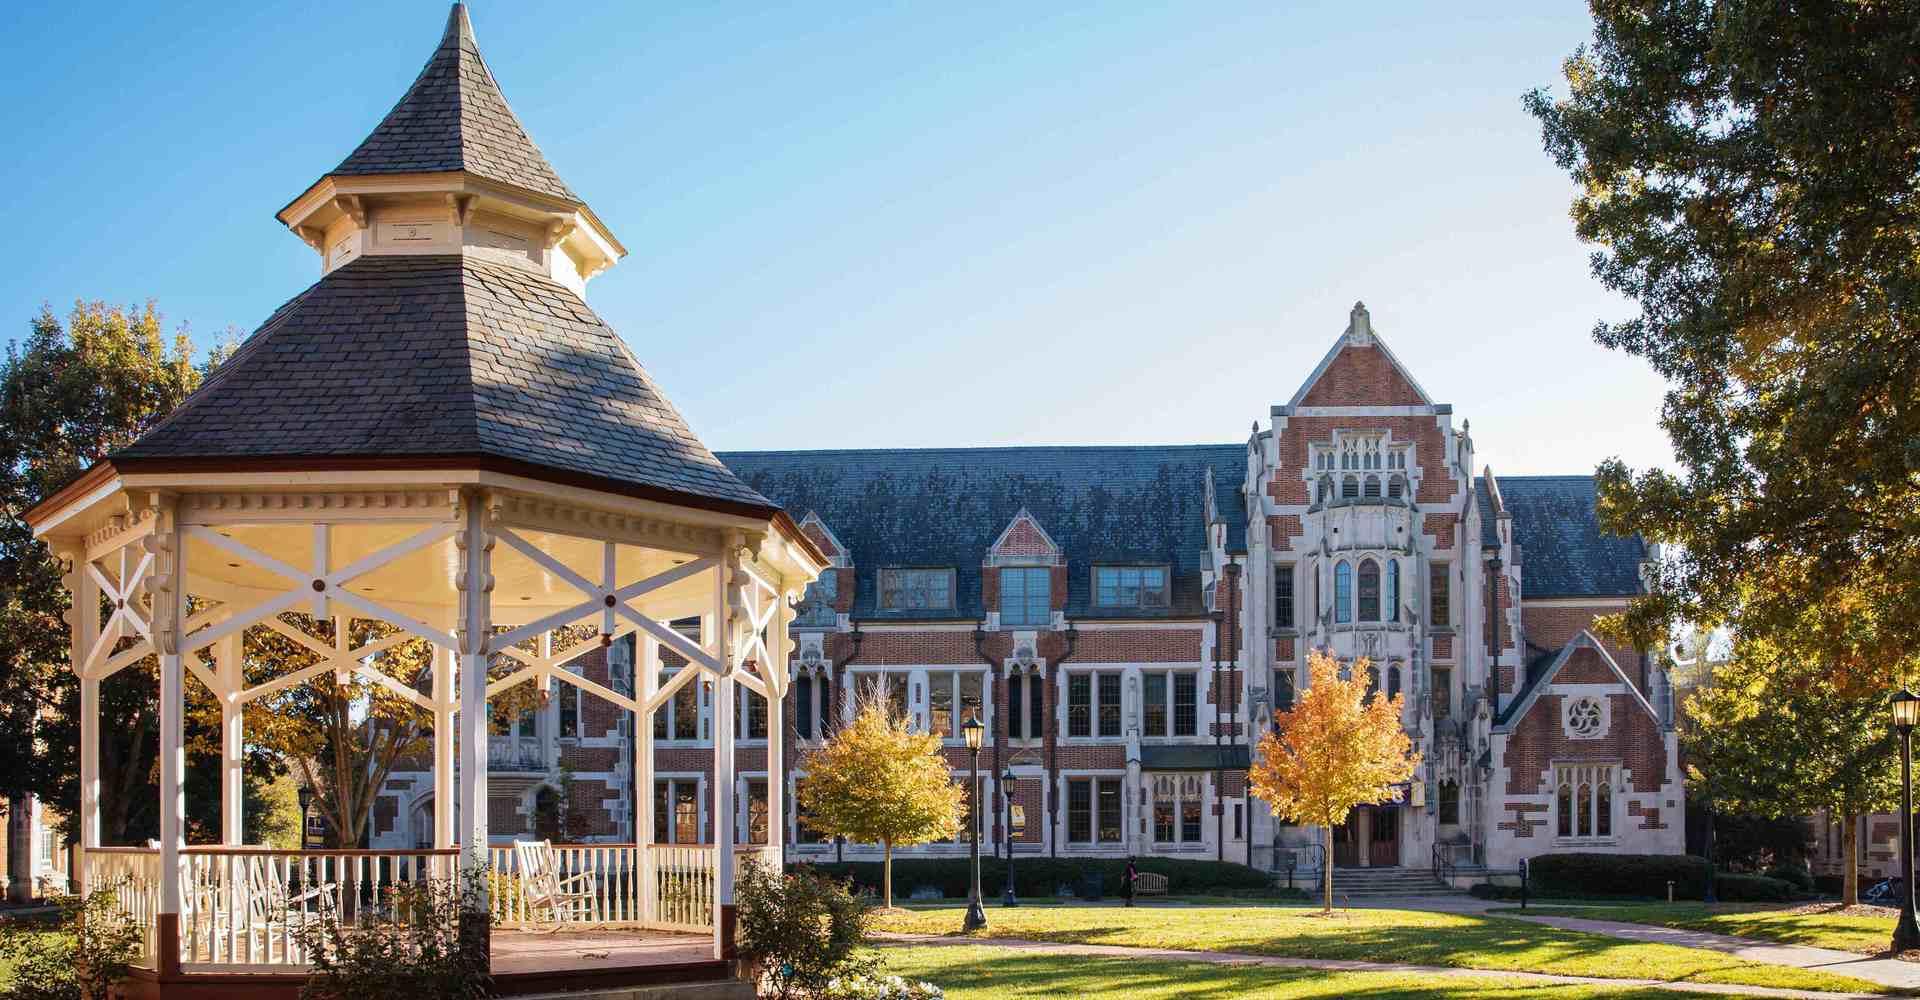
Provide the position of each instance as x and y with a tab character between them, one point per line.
776	674
232	743
84	624
446	662
476	625
724	705
646	682
167	583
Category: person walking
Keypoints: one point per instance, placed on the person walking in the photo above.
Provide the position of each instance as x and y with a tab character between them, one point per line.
1126	881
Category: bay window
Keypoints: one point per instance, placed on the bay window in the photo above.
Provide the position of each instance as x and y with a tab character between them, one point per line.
1176	808
1343	592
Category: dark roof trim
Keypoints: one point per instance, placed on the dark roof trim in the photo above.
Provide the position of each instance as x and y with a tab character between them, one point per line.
1229	757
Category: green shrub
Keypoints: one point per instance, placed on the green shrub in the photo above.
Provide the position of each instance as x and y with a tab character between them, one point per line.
1600	875
1045	876
798	930
86	955
1735	888
1797	875
423	944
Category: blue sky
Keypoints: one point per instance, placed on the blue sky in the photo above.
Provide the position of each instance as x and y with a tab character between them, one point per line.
909	225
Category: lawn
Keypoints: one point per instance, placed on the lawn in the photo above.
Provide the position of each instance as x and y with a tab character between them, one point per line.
1819	926
989	973
1443	939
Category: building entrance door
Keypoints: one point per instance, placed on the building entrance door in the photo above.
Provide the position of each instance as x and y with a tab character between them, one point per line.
1383	847
1346	842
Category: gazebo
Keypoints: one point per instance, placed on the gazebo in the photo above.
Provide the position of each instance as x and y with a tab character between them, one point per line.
441	436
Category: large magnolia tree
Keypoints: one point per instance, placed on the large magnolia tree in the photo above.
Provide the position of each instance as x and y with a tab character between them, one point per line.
1339	747
1748	174
876	780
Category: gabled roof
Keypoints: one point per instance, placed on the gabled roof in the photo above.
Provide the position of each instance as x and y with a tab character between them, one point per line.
1563	550
437	359
1518	708
945	507
1350	372
455	118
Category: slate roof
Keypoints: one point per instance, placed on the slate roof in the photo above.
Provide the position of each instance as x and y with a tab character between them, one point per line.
946	506
1563	551
416	356
455	118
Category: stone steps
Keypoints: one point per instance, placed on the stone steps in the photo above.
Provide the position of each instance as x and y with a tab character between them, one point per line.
730	989
1388	882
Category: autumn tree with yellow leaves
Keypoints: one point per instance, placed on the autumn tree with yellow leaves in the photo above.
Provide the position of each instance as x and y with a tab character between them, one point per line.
1339	747
878	780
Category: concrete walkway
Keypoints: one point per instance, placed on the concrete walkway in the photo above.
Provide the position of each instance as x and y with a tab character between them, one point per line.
1885	971
1338	965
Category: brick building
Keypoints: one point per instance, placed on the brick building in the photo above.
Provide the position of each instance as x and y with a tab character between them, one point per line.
1125	619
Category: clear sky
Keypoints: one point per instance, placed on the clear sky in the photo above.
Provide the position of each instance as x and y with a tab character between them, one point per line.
910	225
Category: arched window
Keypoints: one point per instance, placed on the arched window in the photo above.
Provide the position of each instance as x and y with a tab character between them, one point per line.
1343	593
1586	810
1393	590
1603	811
1393	682
1566	810
1326	488
1369	591
1346	460
1396	487
1373	487
1350	488
1373	681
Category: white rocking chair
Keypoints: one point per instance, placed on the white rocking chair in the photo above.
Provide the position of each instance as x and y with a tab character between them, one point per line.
553	900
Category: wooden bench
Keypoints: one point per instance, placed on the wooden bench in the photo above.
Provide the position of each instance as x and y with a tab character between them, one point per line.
1149	884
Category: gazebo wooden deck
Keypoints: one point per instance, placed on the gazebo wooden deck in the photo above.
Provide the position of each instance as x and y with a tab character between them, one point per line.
440	436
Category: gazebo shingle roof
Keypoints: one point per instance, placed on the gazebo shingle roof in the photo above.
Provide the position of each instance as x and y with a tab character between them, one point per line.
455	118
417	357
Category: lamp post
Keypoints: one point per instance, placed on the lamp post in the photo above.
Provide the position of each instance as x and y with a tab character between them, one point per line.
1906	713
976	914
306	803
1006	792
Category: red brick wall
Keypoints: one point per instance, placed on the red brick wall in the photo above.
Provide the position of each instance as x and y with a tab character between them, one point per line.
916	648
1138	645
1634	739
1362	376
1024	539
1553	626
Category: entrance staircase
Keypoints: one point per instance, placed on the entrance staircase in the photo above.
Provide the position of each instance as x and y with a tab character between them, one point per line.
1361	883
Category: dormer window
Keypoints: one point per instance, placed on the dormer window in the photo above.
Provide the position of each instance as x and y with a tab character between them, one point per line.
1026	595
1130	586
916	589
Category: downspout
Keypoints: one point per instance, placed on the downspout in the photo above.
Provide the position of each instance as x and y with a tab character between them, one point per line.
1053	738
992	695
839	666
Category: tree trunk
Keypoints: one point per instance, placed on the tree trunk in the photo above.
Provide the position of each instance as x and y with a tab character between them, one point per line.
1326	873
1849	863
886	873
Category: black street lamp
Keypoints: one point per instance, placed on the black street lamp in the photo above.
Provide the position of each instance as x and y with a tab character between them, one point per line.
1906	714
976	914
1006	792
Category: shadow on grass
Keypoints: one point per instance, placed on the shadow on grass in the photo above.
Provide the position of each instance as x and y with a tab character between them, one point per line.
988	973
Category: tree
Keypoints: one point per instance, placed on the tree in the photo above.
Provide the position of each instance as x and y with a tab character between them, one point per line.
1772	736
1747	175
70	394
1339	747
878	780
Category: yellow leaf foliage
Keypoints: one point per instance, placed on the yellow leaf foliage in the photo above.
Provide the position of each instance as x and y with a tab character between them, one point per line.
878	781
1337	749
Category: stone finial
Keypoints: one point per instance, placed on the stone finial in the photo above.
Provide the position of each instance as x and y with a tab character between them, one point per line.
1360	325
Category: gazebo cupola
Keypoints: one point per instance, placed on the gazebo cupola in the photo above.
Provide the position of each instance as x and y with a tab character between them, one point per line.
451	169
438	442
